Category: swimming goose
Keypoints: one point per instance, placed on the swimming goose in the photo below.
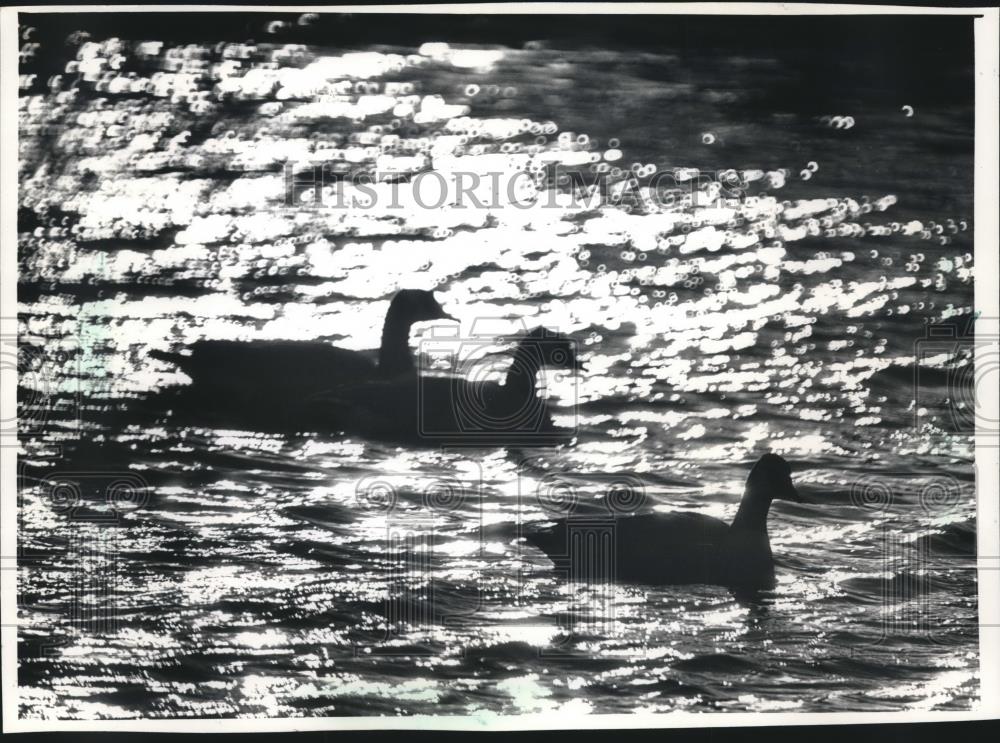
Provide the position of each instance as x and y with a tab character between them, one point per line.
455	411
685	548
265	381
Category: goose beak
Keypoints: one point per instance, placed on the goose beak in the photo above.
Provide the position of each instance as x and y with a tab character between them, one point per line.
793	495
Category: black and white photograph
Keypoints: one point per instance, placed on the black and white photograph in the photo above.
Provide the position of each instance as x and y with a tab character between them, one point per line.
498	366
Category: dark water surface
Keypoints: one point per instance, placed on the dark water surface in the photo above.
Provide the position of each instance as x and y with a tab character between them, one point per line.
172	571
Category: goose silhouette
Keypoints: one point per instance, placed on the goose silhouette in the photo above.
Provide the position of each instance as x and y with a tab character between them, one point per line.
688	548
264	384
457	411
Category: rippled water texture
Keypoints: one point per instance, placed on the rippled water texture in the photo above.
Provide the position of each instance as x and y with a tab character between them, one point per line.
186	572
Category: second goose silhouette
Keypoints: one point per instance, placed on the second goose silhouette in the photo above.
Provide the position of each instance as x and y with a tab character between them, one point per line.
456	411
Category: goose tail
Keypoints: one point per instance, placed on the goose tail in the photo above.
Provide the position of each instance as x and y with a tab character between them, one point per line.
551	540
168	356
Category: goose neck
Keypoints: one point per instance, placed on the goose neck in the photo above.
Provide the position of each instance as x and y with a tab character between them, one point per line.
523	373
394	355
753	510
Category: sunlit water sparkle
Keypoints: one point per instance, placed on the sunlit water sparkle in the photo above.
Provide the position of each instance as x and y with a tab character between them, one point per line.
247	574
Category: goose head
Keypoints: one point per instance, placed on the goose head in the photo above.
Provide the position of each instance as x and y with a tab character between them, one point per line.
771	478
542	348
411	306
407	308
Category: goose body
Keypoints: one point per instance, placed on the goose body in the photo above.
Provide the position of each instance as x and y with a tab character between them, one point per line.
688	548
451	410
304	365
267	384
